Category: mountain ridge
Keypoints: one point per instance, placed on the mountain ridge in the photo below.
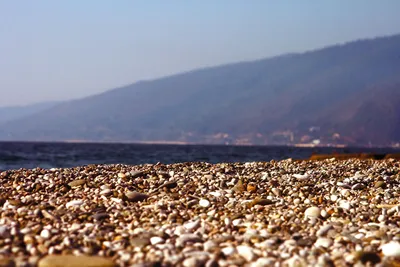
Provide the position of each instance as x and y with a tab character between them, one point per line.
268	101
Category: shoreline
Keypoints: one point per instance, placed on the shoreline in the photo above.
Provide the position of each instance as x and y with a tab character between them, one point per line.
310	212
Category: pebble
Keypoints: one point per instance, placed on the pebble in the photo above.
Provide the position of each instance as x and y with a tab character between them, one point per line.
75	261
204	203
133	196
45	233
228	251
74	203
312	212
324	230
246	252
76	183
105	192
192	225
323	242
391	249
301	177
156	240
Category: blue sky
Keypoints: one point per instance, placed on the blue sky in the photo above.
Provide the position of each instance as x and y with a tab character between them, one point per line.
58	50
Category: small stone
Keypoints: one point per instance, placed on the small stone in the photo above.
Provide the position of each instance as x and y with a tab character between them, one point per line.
344	205
133	196
106	192
100	216
276	192
135	174
170	184
121	175
74	203
324	230
75	261
4	232
323	242
262	202
371	257
186	238
312	212
251	188
391	249
193	262
204	203
358	186
228	251
246	252
45	233
262	262
301	177
140	241
380	184
211	263
192	225
209	246
76	183
239	187
156	240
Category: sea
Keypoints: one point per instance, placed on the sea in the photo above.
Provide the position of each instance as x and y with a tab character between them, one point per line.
29	155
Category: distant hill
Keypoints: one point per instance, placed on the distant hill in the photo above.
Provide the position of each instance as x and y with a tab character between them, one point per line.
343	94
10	113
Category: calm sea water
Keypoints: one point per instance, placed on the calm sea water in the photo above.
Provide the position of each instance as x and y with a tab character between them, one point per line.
15	155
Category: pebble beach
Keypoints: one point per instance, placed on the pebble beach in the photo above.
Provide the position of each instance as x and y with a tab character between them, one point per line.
279	213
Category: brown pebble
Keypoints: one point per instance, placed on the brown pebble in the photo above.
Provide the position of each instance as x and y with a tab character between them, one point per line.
75	261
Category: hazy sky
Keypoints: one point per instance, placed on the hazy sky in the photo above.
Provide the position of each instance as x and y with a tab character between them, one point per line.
55	50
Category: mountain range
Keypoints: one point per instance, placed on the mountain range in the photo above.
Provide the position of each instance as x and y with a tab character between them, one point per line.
346	94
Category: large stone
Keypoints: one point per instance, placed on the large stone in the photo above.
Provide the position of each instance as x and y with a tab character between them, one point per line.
76	183
133	196
75	261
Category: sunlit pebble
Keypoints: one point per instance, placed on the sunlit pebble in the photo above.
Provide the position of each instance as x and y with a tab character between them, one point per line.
45	233
246	252
312	212
228	250
74	203
344	205
192	225
204	203
156	240
391	249
301	177
323	242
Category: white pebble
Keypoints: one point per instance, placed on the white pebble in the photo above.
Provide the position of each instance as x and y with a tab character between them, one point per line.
261	262
334	198
204	203
45	234
344	205
105	192
324	230
312	212
301	177
156	240
323	242
246	252
228	250
236	222
74	203
209	245
391	249
192	225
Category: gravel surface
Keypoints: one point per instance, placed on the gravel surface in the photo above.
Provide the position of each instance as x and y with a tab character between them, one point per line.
286	213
